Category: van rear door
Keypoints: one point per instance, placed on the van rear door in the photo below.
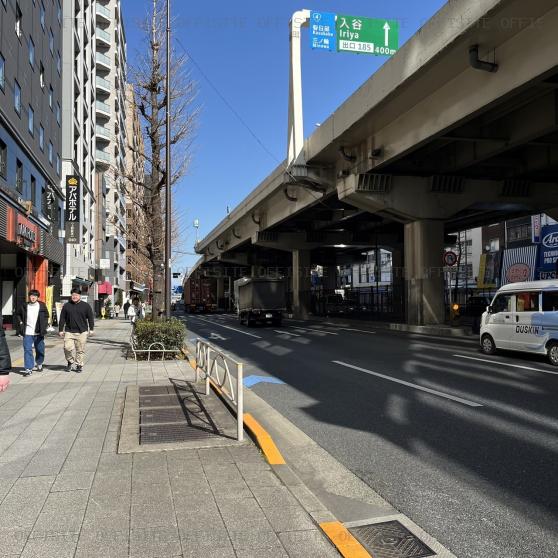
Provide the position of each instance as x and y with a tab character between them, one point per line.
527	331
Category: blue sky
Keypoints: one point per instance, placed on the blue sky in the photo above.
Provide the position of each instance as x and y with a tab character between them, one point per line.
243	48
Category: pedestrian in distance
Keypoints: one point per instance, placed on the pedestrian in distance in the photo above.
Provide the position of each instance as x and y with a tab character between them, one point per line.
116	310
126	308
76	323
132	313
33	317
5	360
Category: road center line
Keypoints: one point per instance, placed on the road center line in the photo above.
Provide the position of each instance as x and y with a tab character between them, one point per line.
408	384
507	364
310	329
228	327
359	330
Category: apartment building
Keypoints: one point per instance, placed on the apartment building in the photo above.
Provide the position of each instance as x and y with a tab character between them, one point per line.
31	202
139	274
110	149
78	142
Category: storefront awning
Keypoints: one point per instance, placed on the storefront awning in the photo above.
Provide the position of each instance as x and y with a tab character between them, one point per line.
105	288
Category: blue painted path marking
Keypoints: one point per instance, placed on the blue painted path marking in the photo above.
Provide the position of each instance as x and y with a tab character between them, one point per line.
250	381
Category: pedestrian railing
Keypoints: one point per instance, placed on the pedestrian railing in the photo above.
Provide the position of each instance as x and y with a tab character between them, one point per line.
156	347
215	366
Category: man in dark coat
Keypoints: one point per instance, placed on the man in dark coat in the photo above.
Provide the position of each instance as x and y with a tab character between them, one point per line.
33	318
5	360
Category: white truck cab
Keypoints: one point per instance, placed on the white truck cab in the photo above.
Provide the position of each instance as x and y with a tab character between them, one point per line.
523	317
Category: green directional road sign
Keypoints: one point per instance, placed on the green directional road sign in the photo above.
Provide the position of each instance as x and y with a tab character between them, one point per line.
367	36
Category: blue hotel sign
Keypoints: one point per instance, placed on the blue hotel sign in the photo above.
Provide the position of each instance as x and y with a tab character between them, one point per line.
323	34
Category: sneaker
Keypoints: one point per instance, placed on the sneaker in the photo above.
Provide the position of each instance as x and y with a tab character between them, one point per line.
70	366
38	368
79	369
27	372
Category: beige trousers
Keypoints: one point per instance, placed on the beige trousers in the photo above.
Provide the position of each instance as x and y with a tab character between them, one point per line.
75	341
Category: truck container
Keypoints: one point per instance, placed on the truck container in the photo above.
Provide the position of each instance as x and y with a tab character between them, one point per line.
200	294
260	299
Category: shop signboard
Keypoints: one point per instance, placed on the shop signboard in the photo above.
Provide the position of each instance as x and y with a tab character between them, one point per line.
548	253
73	202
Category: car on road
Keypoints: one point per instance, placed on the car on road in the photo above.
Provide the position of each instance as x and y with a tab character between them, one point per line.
474	309
523	317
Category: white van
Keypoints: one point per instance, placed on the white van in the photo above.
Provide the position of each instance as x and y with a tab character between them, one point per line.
523	317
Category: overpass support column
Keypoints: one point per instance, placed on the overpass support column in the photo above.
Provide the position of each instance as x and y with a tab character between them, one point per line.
220	292
424	245
302	283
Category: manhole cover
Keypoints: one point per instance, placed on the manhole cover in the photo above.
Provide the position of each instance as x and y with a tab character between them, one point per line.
158	401
166	433
391	540
154	416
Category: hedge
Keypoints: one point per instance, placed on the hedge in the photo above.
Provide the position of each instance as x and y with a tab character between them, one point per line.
170	333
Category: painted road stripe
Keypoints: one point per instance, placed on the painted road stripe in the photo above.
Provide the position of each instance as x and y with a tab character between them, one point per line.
228	327
359	330
305	329
343	540
408	384
252	380
286	333
507	364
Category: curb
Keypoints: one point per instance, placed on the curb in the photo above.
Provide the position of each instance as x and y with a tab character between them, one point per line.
339	536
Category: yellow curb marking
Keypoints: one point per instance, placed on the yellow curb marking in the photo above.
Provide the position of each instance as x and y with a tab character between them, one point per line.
345	543
264	440
18	362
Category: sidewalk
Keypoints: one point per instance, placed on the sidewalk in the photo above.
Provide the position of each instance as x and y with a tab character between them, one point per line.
65	492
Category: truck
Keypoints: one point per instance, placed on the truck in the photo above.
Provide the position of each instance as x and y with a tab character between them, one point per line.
200	294
260	299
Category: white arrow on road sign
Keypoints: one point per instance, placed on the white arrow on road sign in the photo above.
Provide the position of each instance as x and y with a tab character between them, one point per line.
387	29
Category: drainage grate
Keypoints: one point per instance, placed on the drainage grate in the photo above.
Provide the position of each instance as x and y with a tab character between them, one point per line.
165	433
391	540
158	401
155	416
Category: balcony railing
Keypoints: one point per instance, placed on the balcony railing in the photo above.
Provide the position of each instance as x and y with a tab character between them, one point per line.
101	10
102	34
104	83
103	107
103	131
102	155
103	59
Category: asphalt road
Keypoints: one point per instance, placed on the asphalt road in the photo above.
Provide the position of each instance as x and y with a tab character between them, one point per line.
465	445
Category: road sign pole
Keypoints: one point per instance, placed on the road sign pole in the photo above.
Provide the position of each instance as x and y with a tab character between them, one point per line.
296	130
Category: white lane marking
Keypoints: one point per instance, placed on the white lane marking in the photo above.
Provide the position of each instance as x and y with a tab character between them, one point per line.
228	327
286	333
408	384
359	330
305	329
508	364
214	335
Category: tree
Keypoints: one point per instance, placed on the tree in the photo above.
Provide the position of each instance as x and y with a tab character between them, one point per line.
148	77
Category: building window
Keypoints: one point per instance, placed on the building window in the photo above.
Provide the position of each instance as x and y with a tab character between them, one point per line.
17	97
19	176
50	96
42	76
50	152
31	120
50	41
58	63
44	201
58	113
59	12
42	15
58	164
19	17
2	72
33	191
31	52
3	159
42	138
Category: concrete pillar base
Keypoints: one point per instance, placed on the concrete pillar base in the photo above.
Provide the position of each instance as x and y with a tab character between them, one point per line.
301	281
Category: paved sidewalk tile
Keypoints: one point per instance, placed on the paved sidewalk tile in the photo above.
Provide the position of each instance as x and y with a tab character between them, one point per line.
65	492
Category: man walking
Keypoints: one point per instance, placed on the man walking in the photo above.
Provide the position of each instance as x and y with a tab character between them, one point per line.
33	320
76	321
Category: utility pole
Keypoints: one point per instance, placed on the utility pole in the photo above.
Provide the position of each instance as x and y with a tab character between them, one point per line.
168	201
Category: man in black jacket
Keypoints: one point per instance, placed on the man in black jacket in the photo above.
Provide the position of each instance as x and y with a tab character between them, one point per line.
33	320
76	321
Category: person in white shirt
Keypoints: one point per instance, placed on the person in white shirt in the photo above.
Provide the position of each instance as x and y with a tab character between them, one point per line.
33	319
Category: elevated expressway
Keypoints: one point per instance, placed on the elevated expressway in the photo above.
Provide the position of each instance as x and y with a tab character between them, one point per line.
458	129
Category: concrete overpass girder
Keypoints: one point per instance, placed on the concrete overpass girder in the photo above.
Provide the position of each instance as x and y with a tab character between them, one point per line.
407	199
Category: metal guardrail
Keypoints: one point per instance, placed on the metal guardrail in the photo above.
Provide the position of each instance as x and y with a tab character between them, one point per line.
216	367
156	347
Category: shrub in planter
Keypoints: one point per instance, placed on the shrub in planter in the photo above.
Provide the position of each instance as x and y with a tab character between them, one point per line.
170	333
